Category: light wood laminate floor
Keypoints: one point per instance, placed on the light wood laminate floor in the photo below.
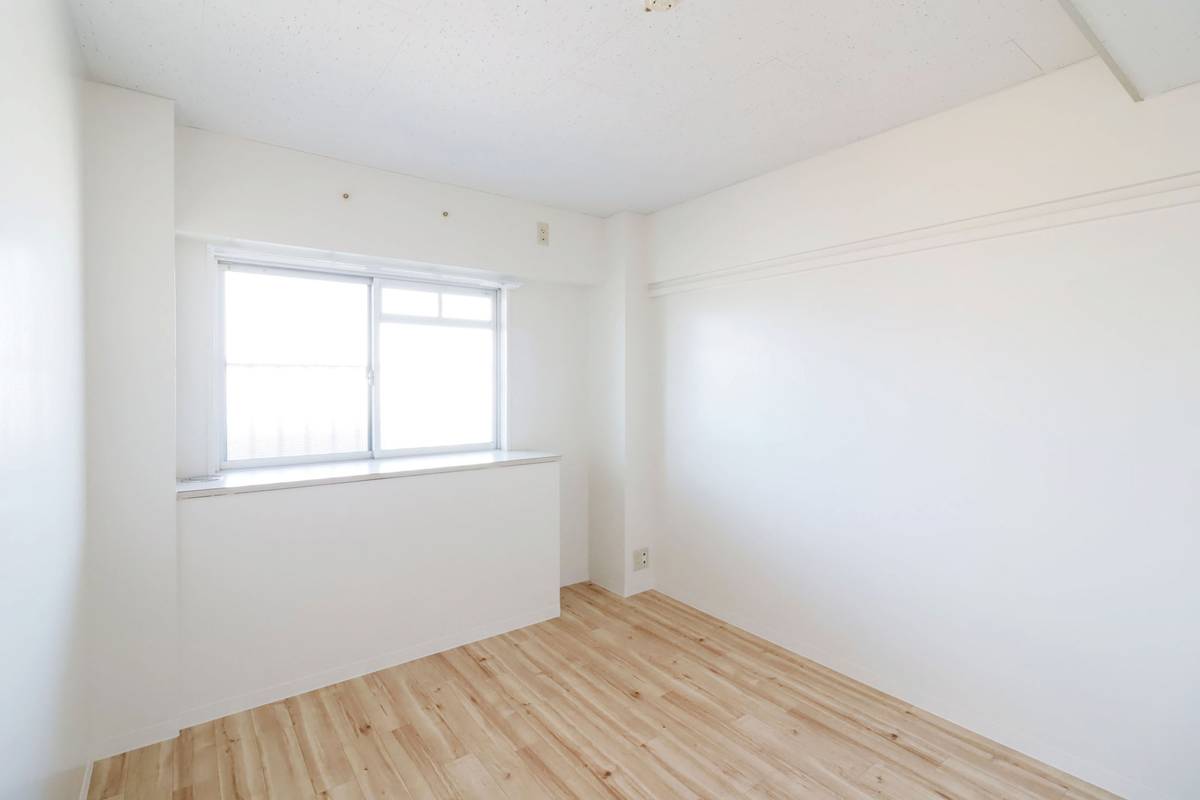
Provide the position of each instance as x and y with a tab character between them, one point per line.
637	698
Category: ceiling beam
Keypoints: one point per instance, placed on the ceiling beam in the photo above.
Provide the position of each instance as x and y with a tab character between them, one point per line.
1086	29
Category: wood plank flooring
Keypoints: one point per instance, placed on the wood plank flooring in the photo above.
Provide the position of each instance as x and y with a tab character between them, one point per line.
637	698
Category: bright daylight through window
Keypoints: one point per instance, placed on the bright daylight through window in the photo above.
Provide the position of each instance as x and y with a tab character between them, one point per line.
326	366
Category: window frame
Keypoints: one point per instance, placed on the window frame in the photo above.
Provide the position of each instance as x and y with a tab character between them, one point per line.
375	283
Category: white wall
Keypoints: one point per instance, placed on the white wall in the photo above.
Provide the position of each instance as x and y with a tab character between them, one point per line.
43	725
643	421
239	189
606	407
196	315
129	197
965	474
1069	133
350	578
412	569
623	363
235	189
548	396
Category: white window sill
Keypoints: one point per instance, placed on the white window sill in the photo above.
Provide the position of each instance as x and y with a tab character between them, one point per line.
266	479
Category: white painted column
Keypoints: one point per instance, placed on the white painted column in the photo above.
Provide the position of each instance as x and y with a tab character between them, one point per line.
624	430
129	254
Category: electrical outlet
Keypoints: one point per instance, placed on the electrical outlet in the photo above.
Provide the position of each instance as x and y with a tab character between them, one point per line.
641	558
544	233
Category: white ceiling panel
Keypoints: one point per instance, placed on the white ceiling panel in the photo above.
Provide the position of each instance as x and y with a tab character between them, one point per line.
590	104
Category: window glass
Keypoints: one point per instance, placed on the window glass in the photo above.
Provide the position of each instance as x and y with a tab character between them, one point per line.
306	362
467	306
296	377
436	385
409	302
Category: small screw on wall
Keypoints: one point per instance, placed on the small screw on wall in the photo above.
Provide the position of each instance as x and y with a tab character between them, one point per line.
445	213
345	195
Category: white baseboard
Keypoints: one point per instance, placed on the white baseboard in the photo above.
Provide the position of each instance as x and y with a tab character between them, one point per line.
133	740
639	581
579	577
87	780
308	683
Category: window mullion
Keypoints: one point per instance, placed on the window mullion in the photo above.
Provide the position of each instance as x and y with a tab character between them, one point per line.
373	356
498	402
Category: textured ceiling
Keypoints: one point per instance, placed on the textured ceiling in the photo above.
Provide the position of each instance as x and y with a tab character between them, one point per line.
593	105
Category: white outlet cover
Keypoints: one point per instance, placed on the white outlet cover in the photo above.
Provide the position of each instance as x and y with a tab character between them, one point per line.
641	558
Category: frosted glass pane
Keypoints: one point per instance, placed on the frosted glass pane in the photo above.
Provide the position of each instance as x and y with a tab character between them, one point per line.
296	366
289	411
410	302
467	306
436	385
